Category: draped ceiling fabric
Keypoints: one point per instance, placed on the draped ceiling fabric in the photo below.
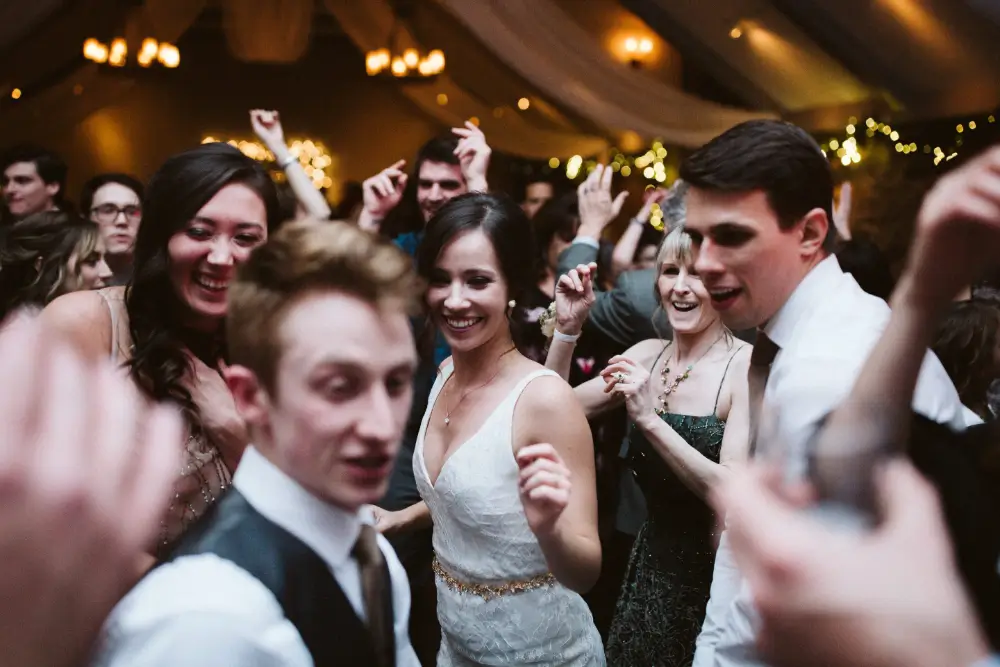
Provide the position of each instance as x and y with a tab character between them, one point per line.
268	31
542	43
368	25
17	19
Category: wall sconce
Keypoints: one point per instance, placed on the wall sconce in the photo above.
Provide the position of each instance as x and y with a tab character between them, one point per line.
638	50
116	55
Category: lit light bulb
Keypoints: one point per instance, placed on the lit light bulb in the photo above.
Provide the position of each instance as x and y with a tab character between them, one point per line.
169	55
631	45
15	94
373	63
398	66
626	170
425	68
118	53
411	58
442	99
147	53
523	104
436	61
645	46
736	33
554	162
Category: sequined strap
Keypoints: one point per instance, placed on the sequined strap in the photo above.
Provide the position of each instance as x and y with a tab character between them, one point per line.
487	592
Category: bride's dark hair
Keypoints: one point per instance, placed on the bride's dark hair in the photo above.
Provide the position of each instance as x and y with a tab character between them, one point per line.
176	192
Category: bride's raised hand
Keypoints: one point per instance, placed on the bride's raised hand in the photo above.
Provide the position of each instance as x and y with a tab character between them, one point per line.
574	298
544	486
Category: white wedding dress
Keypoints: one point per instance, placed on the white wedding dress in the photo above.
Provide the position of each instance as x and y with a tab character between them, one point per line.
481	536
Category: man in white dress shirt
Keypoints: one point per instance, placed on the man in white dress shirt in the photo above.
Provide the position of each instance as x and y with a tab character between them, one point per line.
284	571
759	214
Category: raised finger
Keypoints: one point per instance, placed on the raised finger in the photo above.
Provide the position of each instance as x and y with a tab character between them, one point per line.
21	355
606	175
527	454
117	411
544	478
158	459
545	464
547	494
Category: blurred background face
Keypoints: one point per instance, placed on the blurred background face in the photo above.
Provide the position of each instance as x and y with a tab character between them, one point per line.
467	296
535	196
438	182
342	397
645	257
204	254
117	211
25	192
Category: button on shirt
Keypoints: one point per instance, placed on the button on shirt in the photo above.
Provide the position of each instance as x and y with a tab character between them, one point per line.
825	331
203	610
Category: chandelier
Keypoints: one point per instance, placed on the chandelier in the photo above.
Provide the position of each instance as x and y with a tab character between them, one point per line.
409	63
116	54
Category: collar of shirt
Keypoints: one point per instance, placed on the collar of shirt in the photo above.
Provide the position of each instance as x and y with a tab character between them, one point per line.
809	293
328	530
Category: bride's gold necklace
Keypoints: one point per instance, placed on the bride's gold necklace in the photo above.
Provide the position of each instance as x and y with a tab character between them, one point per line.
670	386
448	411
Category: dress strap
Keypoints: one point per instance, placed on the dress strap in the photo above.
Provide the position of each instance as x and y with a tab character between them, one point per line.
114	325
723	380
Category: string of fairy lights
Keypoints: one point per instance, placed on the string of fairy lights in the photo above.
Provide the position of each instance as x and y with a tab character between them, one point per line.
848	153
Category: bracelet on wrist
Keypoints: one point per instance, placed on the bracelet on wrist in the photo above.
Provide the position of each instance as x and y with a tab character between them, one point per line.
637	221
566	338
287	162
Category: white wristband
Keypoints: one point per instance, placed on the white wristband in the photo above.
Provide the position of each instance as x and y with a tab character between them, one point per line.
566	338
287	162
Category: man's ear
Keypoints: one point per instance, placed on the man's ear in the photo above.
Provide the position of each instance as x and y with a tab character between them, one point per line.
53	190
815	226
252	400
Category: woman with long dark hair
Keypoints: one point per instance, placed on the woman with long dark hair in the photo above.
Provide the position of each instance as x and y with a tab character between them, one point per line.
46	255
204	211
509	489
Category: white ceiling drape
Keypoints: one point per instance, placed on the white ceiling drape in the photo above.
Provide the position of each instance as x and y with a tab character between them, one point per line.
548	48
368	24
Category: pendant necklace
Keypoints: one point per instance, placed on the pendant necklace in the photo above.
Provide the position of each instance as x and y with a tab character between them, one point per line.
448	411
670	386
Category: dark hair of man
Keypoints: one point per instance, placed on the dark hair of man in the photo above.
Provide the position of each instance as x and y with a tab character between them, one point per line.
773	156
176	192
50	167
558	217
867	265
406	217
99	181
966	344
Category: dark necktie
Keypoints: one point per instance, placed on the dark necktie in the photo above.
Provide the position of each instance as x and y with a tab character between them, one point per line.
374	586
764	351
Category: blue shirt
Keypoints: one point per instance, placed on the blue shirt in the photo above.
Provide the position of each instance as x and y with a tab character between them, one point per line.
408	243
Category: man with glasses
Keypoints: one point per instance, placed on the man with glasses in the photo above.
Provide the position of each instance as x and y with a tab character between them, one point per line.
114	202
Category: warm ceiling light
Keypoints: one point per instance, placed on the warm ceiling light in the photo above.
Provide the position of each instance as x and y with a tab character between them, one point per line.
632	45
407	64
736	32
411	58
168	55
638	49
645	46
16	93
398	66
523	104
118	53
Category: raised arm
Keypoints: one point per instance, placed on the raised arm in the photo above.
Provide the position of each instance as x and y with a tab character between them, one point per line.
624	252
557	481
267	127
382	193
957	237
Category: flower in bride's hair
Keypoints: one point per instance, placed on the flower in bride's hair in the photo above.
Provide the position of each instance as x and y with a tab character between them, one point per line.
547	321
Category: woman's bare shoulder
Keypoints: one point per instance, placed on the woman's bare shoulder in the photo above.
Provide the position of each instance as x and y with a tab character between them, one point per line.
84	318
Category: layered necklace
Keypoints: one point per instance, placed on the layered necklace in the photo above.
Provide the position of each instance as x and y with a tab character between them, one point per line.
448	411
670	386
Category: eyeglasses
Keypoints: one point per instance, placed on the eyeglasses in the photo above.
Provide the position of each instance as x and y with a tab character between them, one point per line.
109	212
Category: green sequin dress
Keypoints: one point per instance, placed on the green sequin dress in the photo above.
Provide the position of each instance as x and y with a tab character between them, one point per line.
661	607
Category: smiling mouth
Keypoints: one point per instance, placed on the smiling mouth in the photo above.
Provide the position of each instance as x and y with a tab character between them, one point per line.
210	285
463	324
683	307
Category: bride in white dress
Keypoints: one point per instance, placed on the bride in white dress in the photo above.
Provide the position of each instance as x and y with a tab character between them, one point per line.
504	461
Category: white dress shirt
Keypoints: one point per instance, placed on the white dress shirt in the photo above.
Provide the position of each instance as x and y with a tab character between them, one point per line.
825	331
203	610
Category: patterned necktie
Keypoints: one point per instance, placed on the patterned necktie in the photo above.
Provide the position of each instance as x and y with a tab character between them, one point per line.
764	351
374	588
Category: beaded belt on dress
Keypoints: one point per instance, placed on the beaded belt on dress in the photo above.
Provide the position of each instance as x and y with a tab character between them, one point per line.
487	592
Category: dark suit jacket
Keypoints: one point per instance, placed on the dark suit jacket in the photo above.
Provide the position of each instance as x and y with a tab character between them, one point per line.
626	313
